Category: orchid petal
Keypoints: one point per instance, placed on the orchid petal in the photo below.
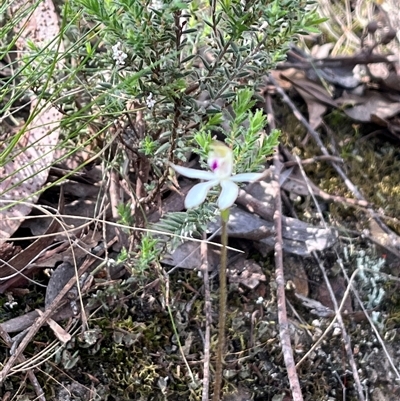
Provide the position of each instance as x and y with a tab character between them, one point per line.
246	177
198	193
228	195
193	173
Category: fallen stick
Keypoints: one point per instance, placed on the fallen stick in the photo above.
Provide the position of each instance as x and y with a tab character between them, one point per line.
284	333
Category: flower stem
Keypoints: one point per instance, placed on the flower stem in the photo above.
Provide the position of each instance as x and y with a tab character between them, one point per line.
222	307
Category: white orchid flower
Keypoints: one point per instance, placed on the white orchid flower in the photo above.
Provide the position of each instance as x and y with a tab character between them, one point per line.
220	161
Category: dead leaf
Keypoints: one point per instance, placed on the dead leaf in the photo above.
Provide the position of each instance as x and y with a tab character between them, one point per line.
295	271
392	81
339	287
58	280
26	172
8	250
27	168
314	94
59	332
315	307
312	89
80	248
373	103
22	259
79	212
246	272
282	82
379	70
322	51
315	110
187	256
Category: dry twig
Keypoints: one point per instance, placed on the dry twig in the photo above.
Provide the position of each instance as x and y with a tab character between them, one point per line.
207	310
223	295
279	276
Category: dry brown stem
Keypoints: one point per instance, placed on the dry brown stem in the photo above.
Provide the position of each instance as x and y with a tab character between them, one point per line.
207	311
222	307
279	276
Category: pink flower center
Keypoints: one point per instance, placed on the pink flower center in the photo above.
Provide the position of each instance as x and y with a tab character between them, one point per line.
214	165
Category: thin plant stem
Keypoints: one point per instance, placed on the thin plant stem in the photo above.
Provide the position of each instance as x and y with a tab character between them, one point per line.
171	316
208	313
222	306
